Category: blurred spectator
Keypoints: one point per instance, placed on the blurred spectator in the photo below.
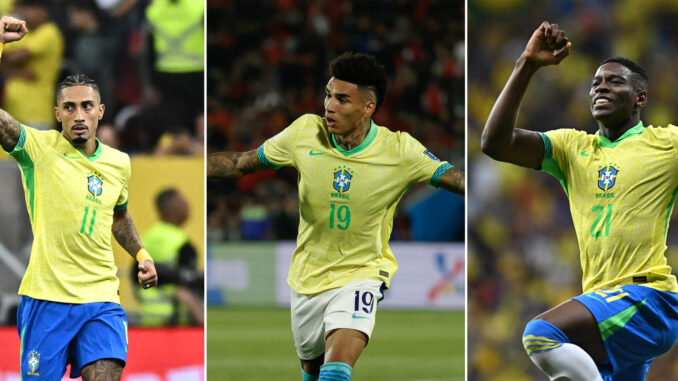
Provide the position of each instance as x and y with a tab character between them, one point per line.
108	135
522	252
267	65
32	65
178	298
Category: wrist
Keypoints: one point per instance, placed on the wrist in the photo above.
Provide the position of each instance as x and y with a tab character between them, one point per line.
143	255
527	64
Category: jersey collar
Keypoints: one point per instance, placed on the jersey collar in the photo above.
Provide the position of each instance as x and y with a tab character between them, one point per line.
95	155
371	134
633	131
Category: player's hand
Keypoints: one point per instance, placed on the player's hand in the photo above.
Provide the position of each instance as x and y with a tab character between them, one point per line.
12	29
148	277
547	46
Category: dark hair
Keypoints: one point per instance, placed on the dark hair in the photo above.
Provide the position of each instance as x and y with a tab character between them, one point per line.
363	70
634	67
164	196
77	80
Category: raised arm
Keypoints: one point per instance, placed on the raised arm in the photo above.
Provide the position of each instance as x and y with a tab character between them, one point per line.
500	139
233	164
11	29
453	181
126	234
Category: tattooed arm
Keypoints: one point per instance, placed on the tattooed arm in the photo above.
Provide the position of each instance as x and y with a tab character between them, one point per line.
9	131
453	181
233	164
126	234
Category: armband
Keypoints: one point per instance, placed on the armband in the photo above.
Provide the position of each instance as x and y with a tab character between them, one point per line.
143	255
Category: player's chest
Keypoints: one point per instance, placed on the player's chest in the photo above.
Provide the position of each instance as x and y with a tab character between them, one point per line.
633	171
72	179
369	181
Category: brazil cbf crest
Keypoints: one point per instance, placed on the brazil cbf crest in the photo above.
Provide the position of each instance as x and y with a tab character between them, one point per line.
342	179
33	361
607	176
95	185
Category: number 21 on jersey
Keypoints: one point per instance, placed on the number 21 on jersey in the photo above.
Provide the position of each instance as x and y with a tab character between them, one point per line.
599	228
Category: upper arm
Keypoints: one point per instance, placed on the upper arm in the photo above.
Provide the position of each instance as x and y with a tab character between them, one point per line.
526	149
10	131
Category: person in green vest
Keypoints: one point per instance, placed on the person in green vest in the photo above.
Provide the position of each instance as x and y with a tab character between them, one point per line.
178	299
176	34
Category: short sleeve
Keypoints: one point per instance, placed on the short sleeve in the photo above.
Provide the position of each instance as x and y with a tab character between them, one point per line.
556	153
278	151
422	165
121	204
31	145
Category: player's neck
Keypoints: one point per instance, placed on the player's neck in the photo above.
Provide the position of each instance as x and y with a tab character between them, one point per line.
88	148
353	139
614	131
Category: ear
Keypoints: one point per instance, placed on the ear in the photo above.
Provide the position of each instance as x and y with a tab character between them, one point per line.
102	108
370	107
641	98
56	114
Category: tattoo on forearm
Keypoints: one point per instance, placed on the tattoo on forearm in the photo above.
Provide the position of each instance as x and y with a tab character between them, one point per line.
126	234
233	164
453	180
9	131
102	370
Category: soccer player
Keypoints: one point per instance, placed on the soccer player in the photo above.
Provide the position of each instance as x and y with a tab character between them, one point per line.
352	173
76	195
621	183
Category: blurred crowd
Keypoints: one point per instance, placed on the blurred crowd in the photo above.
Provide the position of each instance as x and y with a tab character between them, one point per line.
151	107
523	254
267	65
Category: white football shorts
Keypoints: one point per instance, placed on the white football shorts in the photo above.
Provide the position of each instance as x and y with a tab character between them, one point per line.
314	316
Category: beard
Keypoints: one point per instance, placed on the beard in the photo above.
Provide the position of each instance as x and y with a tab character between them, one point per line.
79	140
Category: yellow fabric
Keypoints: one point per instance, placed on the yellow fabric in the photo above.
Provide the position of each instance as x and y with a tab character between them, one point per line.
333	249
178	34
70	199
46	46
143	255
621	218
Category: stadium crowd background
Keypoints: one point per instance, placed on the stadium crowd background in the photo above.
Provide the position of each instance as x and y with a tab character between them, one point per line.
112	42
523	254
267	65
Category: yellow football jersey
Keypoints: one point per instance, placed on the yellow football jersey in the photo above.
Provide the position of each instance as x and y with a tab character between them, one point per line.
347	199
70	199
621	195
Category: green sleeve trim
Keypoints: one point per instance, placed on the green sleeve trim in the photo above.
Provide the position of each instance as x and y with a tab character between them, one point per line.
548	146
669	207
262	156
27	169
20	143
122	206
435	179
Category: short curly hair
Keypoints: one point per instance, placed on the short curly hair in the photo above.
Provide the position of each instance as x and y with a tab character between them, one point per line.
363	70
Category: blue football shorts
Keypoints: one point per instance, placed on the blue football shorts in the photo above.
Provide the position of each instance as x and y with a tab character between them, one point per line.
637	324
56	334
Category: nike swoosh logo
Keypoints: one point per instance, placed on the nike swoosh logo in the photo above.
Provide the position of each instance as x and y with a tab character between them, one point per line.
360	317
71	157
584	153
316	153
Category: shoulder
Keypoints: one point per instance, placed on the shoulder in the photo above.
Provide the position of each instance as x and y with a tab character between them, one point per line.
115	156
309	121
